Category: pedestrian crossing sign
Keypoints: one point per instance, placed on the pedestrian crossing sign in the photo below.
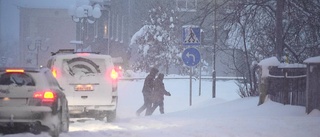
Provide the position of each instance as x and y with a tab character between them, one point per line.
191	36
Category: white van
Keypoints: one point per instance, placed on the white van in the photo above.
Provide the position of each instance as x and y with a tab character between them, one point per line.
89	81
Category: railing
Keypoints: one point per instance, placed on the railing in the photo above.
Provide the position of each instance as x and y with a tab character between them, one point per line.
185	77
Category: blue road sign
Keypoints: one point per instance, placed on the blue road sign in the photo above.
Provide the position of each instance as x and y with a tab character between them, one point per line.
191	56
191	36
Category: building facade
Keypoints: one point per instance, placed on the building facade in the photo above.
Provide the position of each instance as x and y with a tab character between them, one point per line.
43	31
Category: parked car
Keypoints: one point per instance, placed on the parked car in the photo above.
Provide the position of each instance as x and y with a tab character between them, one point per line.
31	98
90	82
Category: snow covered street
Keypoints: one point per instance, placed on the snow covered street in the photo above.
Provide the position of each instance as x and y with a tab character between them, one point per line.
225	116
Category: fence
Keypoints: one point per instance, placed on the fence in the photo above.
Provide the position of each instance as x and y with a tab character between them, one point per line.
313	86
185	77
287	85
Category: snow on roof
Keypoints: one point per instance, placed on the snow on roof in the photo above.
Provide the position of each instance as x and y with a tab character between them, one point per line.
312	60
188	26
296	65
85	55
265	63
272	61
45	3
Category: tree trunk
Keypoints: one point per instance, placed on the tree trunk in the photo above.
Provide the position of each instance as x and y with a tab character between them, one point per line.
279	30
247	60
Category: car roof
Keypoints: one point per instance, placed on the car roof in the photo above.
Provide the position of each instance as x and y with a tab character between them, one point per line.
82	55
38	74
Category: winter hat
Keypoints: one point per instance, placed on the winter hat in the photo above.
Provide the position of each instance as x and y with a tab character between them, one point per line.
154	71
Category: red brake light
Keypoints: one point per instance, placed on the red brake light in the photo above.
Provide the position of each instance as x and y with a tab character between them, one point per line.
114	74
15	70
83	54
45	96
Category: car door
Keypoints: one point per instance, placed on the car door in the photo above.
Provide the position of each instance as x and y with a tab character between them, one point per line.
87	80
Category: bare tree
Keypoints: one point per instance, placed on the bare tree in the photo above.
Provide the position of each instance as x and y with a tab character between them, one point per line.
287	29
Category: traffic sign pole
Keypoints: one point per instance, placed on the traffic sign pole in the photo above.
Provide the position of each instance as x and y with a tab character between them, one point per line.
190	94
191	56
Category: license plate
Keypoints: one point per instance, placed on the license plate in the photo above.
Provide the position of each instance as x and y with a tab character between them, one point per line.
13	101
83	88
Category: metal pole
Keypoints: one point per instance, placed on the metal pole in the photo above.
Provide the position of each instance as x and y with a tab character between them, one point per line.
200	79
190	101
213	84
214	52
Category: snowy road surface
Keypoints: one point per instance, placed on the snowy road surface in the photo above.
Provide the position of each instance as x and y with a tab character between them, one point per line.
225	116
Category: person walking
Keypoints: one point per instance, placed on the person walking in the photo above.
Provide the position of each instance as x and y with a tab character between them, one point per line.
147	92
158	94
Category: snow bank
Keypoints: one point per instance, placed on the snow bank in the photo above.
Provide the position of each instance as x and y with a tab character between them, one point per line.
265	63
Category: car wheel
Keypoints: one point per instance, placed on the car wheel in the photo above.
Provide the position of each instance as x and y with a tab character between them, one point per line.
100	115
56	131
65	119
35	128
111	115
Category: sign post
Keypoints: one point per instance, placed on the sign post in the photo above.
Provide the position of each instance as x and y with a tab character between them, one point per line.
191	56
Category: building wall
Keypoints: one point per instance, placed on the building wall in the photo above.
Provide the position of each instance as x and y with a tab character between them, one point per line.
43	31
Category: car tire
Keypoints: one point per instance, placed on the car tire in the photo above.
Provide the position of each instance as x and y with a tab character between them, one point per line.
111	115
56	131
35	128
65	119
100	115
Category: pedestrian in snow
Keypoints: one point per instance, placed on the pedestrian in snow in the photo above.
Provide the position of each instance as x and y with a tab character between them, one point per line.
158	94
147	92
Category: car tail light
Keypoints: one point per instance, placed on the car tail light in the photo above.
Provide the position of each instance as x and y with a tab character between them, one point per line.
83	54
114	74
45	96
112	77
55	72
15	70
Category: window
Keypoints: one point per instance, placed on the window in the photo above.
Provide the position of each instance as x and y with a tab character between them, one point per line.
95	29
19	79
83	67
122	29
187	5
114	27
111	30
105	29
117	27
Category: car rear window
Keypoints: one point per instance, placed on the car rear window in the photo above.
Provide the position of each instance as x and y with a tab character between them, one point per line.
84	66
19	79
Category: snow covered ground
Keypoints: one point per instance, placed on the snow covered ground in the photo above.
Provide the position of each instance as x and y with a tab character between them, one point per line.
227	115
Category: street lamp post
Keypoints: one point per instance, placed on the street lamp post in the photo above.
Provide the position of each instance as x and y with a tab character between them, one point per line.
38	46
84	14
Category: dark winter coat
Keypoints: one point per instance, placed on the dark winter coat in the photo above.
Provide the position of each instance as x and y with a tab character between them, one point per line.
149	83
159	89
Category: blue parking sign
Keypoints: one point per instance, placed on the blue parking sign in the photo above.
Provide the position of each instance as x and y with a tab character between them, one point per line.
191	57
